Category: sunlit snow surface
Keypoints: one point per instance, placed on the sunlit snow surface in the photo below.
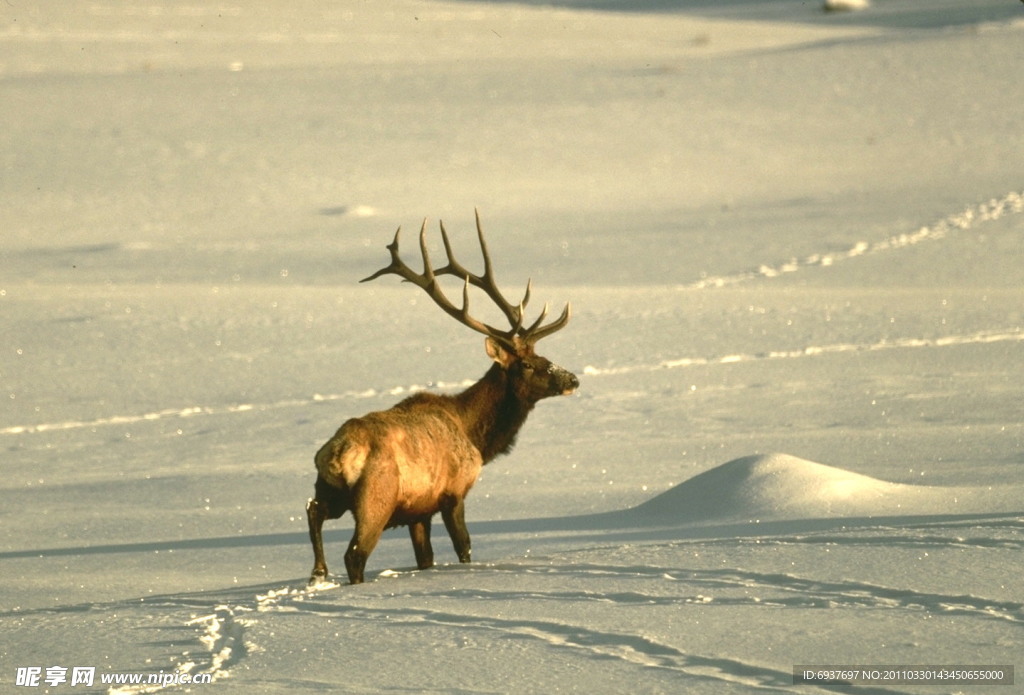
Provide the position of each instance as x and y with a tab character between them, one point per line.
781	229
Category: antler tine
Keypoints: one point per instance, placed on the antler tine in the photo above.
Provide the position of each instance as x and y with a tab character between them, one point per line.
396	264
526	295
428	272
536	324
536	331
489	276
453	267
483	245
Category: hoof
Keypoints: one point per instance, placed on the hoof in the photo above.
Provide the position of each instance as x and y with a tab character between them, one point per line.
317	578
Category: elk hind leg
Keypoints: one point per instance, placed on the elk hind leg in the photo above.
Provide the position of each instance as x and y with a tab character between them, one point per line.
329	503
373	505
364	540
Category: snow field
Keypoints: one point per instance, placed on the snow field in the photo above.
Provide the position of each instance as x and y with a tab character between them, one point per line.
792	240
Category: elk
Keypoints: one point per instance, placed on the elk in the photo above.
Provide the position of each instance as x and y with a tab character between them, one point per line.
399	467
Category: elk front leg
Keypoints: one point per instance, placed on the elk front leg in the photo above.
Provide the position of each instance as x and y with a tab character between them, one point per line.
454	515
419	532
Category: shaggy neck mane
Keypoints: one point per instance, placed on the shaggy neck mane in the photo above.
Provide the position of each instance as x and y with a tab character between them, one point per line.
493	413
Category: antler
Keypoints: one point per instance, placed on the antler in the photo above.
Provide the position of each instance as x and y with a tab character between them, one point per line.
427	281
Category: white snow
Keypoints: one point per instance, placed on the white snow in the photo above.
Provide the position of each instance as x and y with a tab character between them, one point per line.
846	5
781	229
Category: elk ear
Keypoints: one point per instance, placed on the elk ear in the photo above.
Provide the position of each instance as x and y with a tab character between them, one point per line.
497	352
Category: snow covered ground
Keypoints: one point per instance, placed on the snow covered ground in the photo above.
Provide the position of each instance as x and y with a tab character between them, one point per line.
782	230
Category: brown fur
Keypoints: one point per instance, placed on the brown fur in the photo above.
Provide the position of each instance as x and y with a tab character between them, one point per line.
401	466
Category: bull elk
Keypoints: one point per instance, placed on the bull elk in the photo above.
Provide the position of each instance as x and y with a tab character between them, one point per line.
399	467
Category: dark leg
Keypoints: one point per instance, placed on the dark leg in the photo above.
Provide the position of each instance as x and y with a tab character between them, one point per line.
329	503
316	513
419	531
455	521
364	540
355	562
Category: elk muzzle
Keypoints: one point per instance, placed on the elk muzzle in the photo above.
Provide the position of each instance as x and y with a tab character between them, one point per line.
564	381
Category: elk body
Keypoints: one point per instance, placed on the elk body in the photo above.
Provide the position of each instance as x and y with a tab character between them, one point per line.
399	467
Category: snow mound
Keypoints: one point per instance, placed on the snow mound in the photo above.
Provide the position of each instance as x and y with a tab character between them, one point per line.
783	487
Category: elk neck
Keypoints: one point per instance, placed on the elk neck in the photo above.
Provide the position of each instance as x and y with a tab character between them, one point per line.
493	413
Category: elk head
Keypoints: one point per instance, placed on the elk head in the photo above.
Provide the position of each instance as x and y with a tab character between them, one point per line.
533	377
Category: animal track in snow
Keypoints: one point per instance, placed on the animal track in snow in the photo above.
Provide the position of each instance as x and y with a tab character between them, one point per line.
810	593
979	338
994	209
631	648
